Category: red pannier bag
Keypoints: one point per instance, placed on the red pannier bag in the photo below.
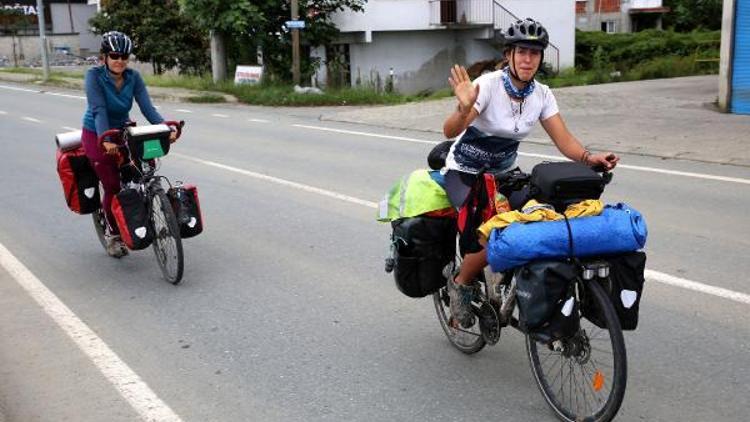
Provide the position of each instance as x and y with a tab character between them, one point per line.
79	181
187	209
131	214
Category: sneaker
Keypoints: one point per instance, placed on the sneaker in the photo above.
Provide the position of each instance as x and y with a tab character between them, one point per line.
460	301
116	247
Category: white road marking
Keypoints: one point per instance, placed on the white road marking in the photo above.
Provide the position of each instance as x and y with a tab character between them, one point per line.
698	287
650	274
300	186
3	112
69	128
182	110
544	156
60	94
128	383
374	135
13	88
257	120
223	116
31	119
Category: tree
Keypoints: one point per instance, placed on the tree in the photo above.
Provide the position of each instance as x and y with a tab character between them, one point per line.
161	34
687	15
261	24
223	18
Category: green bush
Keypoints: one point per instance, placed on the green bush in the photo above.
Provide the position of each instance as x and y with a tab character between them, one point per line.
626	50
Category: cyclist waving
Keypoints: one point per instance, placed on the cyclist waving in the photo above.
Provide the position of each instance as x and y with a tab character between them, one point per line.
494	114
110	91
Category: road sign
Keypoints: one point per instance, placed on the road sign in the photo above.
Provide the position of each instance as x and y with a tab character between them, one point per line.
295	24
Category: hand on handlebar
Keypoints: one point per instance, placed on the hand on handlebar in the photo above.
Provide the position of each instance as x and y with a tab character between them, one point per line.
110	148
173	137
605	160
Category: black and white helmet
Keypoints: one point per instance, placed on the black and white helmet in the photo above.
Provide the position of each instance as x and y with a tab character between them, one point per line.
115	41
527	33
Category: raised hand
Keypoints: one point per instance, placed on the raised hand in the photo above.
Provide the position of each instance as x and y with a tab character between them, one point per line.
466	93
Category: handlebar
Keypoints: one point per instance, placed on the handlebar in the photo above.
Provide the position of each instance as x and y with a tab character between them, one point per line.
516	180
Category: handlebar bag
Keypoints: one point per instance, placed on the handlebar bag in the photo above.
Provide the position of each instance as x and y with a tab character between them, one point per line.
422	247
624	289
187	209
563	183
148	142
131	214
79	181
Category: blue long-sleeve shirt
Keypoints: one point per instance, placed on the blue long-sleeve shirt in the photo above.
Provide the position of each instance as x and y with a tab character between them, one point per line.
107	107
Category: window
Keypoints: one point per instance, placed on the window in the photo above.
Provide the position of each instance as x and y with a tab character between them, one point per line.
609	27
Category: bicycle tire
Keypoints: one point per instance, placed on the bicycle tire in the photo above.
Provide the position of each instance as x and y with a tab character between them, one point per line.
618	368
167	242
100	222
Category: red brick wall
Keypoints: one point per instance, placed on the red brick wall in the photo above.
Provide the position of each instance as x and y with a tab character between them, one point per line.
580	7
607	6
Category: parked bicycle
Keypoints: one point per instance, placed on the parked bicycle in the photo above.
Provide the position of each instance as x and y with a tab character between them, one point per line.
582	375
145	146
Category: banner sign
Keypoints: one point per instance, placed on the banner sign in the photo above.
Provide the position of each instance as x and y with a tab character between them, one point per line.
248	75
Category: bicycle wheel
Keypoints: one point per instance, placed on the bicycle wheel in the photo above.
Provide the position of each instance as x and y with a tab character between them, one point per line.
467	340
100	225
100	222
167	242
583	378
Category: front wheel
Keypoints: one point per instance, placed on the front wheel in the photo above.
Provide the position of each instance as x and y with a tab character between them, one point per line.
167	242
583	377
467	340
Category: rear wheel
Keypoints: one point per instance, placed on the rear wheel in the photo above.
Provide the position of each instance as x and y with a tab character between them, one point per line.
167	242
583	378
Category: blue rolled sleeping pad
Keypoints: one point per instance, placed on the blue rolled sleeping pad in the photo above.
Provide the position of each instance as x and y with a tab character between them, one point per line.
617	229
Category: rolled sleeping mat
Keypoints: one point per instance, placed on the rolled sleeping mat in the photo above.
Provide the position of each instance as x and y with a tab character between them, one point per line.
618	229
69	140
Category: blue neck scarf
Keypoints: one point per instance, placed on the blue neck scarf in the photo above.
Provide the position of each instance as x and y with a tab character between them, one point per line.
512	90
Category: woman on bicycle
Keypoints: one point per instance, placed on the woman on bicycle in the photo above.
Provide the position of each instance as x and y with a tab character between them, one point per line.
110	90
493	115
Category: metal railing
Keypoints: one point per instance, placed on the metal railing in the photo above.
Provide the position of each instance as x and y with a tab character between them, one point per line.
461	12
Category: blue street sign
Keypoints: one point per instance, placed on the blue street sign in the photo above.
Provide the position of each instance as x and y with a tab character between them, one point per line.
295	24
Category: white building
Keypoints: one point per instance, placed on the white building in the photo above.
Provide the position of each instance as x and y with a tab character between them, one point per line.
419	40
619	15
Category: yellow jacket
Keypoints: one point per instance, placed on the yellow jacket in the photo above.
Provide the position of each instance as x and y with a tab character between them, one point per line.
535	211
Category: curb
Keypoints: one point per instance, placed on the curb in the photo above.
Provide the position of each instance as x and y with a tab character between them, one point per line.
162	93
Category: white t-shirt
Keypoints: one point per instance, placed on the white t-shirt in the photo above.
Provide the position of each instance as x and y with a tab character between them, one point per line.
501	117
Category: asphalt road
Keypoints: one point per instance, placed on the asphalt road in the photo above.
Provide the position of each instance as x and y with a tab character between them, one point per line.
285	312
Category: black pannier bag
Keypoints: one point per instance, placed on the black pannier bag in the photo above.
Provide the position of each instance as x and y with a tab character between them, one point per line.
131	214
187	209
624	289
422	247
547	305
563	183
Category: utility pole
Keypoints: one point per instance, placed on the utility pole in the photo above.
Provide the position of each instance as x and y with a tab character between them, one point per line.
295	44
42	38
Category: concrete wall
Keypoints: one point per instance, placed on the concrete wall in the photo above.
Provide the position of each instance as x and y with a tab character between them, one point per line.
61	23
27	47
420	59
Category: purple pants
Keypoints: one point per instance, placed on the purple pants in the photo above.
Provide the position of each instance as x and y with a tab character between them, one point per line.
107	170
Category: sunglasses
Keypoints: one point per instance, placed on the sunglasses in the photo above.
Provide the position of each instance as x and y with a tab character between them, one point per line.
118	56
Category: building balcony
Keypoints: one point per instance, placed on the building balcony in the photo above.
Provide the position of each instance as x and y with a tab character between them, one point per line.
461	13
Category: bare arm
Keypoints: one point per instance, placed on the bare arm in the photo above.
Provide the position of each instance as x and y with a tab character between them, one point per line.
572	148
458	121
466	94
